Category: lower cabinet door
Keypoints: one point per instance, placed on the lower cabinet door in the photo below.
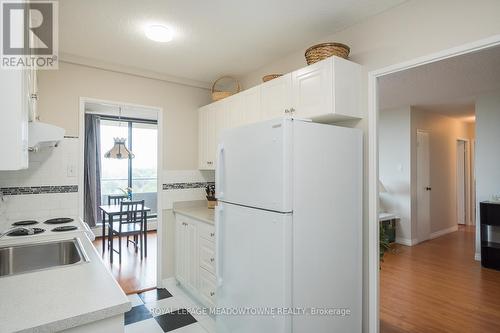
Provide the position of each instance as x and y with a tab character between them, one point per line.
192	265
180	250
207	287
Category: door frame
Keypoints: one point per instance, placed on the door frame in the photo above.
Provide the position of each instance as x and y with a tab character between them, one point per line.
159	168
373	174
467	181
418	238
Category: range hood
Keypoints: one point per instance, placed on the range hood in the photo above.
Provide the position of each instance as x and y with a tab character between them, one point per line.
42	135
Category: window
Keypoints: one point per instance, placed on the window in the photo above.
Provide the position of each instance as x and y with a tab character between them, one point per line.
139	173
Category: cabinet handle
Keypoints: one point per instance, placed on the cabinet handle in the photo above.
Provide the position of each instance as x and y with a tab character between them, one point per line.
34	96
208	162
287	111
212	234
292	110
212	259
212	293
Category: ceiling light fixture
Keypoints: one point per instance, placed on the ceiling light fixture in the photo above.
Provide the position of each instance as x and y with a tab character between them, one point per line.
158	33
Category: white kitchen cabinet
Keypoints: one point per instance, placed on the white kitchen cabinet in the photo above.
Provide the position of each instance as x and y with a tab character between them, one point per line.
195	258
187	253
276	97
15	100
327	91
207	131
247	107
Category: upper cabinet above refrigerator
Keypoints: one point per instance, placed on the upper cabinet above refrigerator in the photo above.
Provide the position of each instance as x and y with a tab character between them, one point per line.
327	91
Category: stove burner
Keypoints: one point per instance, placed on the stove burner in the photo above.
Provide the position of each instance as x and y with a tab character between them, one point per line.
59	220
25	233
65	228
27	222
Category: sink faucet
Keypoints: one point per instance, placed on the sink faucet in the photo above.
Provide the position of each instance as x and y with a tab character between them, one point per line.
7	232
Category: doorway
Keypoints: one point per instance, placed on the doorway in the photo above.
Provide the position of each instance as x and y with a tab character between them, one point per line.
463	172
423	187
108	179
373	175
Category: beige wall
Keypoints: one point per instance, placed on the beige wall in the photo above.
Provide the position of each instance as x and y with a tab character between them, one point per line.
60	91
413	29
395	168
443	134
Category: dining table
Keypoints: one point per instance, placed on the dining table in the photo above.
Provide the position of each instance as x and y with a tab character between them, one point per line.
114	211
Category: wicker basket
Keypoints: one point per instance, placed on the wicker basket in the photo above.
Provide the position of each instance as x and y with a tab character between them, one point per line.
322	51
218	95
270	77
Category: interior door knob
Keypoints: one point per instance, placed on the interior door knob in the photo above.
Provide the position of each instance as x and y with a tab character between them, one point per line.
428	188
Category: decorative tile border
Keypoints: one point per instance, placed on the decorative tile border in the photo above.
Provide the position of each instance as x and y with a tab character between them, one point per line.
182	186
39	189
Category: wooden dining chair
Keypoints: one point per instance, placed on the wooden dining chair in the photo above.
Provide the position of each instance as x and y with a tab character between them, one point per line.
115	200
130	223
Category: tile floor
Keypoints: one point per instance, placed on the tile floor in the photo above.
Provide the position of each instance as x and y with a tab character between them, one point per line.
163	310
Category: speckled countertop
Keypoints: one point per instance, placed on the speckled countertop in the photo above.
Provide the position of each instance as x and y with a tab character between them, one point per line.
57	299
196	209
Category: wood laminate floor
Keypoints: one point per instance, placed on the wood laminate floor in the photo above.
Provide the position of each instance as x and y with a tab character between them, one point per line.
437	286
133	275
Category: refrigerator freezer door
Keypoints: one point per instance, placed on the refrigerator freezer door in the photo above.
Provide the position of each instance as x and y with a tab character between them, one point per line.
254	165
253	269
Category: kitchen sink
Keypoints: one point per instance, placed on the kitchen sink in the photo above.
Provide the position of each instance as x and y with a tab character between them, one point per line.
26	258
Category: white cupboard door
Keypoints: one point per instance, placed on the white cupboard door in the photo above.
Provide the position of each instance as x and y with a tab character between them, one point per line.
276	97
191	235
202	138
312	90
207	255
180	249
249	107
14	108
206	137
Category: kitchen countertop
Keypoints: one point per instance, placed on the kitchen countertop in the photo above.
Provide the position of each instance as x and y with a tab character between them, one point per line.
196	209
59	298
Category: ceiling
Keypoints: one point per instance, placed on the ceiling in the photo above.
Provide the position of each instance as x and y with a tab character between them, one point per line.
211	38
448	86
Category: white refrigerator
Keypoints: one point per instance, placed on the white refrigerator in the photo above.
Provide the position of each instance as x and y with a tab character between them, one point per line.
289	228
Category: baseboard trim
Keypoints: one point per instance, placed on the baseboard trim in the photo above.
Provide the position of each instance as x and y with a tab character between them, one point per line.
406	241
477	256
443	232
168	282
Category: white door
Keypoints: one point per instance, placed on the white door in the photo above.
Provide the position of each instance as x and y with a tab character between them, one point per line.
254	165
461	182
276	97
254	259
423	187
312	90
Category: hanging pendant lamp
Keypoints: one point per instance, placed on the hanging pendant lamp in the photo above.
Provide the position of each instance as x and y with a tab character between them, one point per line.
119	150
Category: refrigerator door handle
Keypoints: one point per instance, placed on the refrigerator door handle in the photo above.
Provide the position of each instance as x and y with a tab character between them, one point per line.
218	246
219	181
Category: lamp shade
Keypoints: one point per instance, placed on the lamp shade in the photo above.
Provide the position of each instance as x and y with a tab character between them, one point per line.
119	150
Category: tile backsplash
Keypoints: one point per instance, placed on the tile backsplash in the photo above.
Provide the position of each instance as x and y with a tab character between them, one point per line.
48	188
185	185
